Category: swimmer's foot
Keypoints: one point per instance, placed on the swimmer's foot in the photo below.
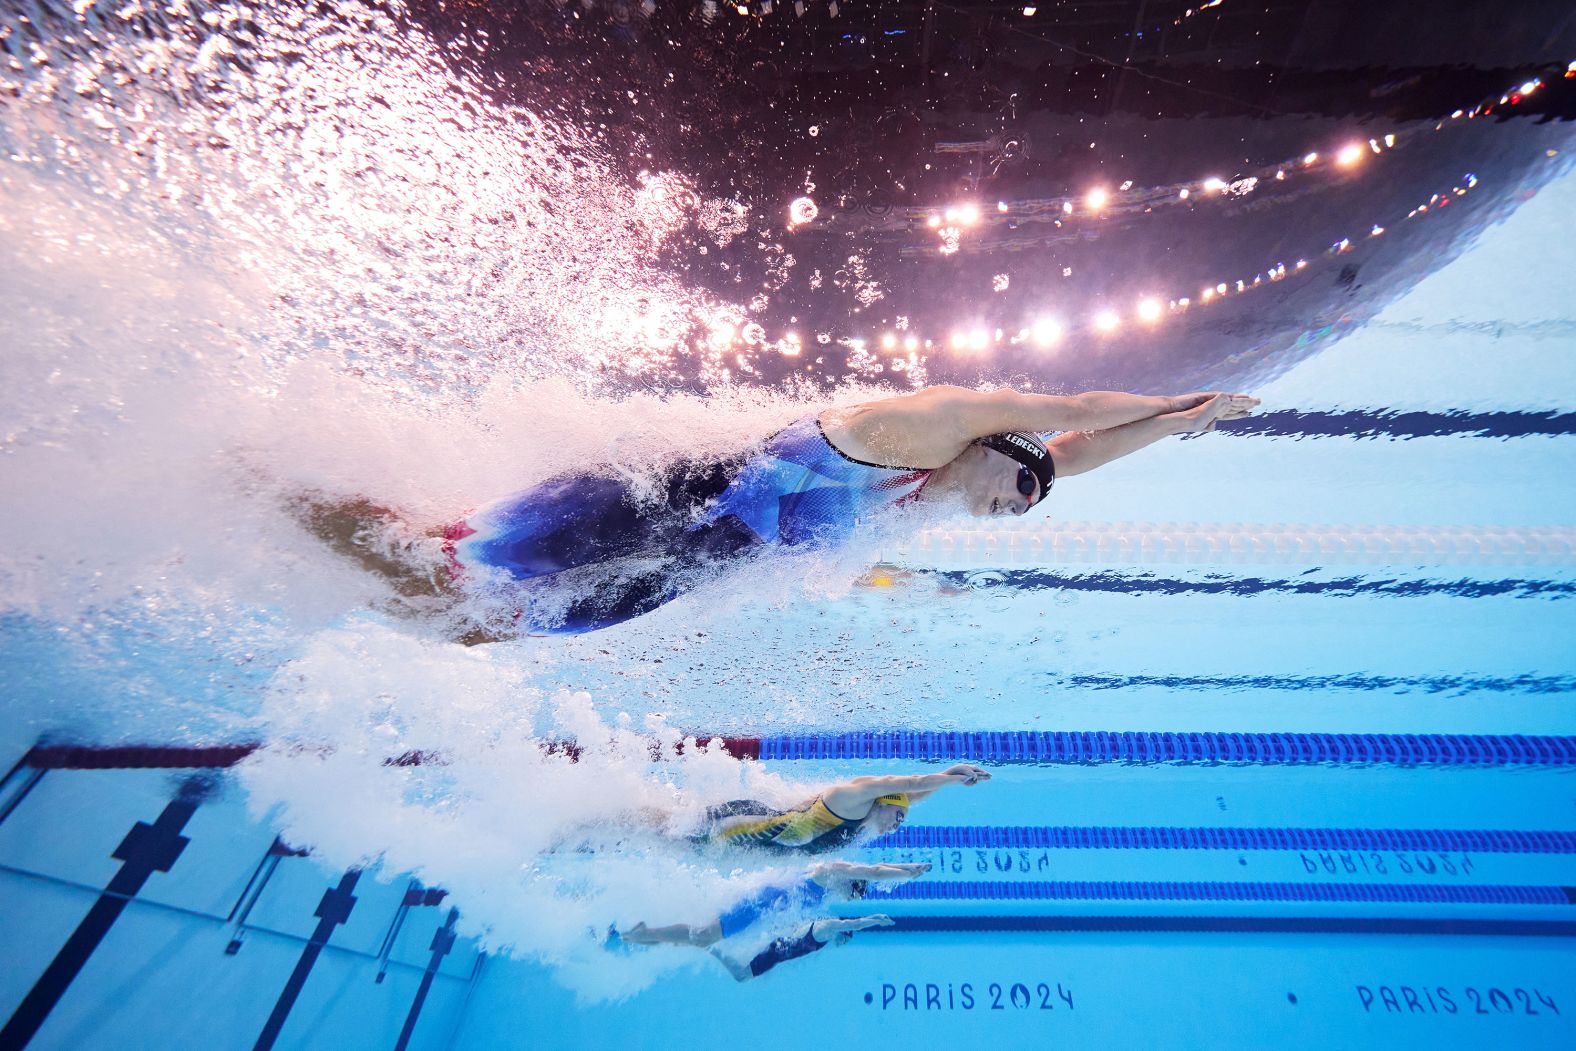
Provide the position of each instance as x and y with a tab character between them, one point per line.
621	942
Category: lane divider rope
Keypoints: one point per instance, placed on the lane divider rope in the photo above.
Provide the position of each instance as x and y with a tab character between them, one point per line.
993	746
1059	746
1155	837
1062	543
1174	890
1344	925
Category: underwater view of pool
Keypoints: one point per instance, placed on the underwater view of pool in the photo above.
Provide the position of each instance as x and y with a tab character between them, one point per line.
753	719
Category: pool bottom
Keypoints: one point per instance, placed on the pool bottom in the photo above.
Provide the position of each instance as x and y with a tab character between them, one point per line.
1135	988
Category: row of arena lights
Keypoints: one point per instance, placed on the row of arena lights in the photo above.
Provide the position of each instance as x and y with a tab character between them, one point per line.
1030	10
709	9
762	8
951	221
1148	311
759	8
1046	332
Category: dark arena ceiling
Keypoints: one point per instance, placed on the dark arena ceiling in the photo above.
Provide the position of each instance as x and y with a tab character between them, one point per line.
1096	193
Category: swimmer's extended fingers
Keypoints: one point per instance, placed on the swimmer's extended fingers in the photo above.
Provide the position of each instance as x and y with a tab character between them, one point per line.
1240	405
907	870
969	773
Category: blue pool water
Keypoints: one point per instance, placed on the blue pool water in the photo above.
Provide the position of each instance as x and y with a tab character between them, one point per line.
1278	718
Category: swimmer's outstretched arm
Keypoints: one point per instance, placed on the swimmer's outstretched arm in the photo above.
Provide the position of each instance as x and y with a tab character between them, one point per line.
853	799
1079	453
837	871
930	427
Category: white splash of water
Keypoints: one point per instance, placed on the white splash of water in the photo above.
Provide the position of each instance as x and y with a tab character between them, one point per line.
541	853
251	250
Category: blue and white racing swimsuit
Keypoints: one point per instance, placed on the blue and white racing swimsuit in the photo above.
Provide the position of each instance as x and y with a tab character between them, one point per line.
801	489
797	490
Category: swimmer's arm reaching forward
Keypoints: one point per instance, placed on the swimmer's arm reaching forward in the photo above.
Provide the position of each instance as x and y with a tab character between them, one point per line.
837	873
1080	452
853	799
930	427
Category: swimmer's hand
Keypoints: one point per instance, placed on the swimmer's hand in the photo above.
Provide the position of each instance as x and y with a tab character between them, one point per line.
1183	402
967	773
1211	410
835	927
900	871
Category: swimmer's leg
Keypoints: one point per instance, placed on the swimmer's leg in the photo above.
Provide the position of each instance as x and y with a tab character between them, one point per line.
376	538
688	558
741	971
645	819
616	601
563	524
674	934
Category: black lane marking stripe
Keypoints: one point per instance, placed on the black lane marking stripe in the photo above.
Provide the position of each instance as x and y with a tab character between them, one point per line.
145	850
1380	423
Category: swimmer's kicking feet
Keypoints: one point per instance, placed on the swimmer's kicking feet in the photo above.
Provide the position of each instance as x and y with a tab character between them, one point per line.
808	485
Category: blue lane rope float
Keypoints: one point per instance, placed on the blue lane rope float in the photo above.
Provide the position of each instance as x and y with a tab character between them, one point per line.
1152	837
1345	925
1061	746
1173	890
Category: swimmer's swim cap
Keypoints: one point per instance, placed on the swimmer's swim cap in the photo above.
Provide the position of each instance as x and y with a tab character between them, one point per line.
895	799
1027	449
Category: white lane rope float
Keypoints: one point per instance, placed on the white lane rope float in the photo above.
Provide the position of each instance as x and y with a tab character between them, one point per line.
1051	543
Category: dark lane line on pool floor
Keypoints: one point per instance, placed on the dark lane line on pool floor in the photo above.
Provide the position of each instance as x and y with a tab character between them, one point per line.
1455	685
1380	423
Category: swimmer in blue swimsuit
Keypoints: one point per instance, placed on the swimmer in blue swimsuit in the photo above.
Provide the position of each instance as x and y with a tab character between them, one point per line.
827	882
813	938
810	485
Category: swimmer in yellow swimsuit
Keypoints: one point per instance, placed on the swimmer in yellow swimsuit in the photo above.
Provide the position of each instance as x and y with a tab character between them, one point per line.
863	807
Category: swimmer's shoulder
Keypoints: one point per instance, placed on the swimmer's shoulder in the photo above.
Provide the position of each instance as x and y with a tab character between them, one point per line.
902	431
